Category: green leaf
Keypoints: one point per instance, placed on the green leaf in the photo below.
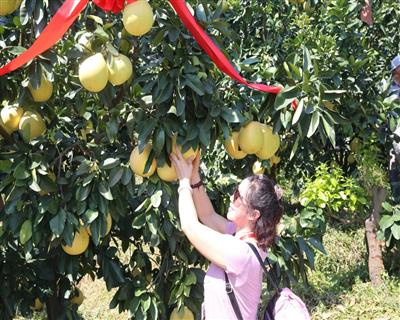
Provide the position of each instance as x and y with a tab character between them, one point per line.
387	206
396	231
95	18
105	191
83	168
294	149
127	176
317	244
190	278
145	302
143	205
5	166
26	232
91	215
386	221
194	83
21	172
115	176
17	50
34	186
330	131
145	131
313	124
134	305
57	223
231	115
156	199
307	64
306	249
298	112
82	193
139	221
110	163
285	97
159	141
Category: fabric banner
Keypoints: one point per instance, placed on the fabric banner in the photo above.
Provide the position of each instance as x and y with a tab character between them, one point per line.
212	50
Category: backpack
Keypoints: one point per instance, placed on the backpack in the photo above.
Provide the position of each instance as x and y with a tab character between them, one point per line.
284	304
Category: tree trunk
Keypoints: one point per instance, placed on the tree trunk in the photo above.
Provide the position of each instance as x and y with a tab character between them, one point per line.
1	203
375	261
54	308
54	304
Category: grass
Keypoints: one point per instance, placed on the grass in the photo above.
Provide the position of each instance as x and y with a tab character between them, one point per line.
339	287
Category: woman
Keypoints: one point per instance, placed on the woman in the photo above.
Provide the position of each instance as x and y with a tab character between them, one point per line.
253	215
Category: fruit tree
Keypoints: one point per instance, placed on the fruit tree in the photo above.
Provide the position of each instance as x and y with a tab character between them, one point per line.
87	128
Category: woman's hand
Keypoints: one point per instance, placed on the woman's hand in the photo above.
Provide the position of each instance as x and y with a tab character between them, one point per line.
195	177
184	168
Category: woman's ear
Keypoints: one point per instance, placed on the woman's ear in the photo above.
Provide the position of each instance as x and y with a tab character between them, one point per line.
255	214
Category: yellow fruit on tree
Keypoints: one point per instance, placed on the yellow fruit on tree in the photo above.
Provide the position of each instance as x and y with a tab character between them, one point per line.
138	18
38	306
79	244
31	125
93	73
232	146
251	137
8	6
43	92
258	168
109	225
167	173
271	143
10	117
188	153
120	70
137	161
78	299
184	314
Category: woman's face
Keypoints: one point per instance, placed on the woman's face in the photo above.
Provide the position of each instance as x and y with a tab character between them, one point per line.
238	209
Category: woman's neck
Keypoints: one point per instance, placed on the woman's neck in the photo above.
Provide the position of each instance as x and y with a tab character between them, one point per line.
245	231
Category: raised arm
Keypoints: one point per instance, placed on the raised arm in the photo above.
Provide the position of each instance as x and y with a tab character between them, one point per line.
210	243
204	207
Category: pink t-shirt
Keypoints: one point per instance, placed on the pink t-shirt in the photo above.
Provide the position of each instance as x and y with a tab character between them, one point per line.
245	275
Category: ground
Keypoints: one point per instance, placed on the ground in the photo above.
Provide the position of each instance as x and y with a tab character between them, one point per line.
339	287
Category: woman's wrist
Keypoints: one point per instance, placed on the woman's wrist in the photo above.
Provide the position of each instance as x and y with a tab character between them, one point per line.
184	184
196	178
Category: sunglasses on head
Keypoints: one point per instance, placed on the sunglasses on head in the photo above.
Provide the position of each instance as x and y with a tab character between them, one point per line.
236	193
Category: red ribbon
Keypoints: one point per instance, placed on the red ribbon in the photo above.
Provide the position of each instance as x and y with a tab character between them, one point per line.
70	10
212	50
111	5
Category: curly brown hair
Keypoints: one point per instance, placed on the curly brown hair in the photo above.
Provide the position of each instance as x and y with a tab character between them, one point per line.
262	196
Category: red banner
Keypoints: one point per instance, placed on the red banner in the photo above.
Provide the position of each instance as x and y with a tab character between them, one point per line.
111	5
212	50
70	10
